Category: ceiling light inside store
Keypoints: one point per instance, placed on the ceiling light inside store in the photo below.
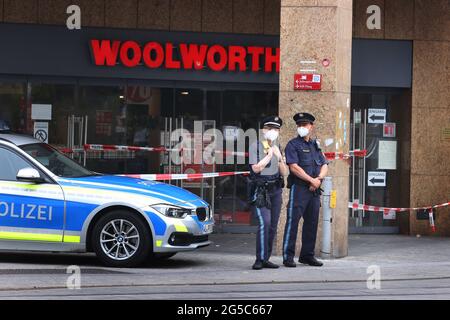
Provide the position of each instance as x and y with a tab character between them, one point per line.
185	92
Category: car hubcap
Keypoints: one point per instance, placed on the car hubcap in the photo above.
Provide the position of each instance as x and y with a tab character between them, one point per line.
119	239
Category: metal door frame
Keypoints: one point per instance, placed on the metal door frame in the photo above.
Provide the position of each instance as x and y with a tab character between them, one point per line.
360	165
82	122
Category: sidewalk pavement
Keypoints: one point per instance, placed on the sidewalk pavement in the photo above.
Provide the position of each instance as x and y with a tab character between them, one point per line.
228	261
399	258
362	247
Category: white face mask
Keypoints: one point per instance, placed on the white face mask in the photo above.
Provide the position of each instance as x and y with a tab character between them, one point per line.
271	135
302	131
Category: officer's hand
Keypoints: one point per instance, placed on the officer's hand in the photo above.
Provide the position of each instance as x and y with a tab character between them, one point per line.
277	152
316	183
312	189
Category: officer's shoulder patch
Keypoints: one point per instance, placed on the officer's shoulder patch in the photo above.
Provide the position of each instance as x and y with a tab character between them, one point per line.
316	144
292	142
297	143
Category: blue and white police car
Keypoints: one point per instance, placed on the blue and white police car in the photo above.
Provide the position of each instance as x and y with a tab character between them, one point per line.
48	202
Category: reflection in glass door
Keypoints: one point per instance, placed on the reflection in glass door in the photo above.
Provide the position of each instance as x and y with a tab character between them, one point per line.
135	113
380	124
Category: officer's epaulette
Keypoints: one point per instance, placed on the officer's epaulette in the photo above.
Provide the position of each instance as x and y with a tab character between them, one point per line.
317	145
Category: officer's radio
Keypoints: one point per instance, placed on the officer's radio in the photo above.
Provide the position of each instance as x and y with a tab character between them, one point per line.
266	146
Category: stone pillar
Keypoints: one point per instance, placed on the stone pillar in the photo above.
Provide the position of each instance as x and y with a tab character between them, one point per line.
314	30
430	141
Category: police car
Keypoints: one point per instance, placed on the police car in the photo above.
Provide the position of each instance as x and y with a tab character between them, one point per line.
48	202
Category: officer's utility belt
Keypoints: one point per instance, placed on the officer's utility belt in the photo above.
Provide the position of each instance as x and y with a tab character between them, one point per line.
260	189
276	183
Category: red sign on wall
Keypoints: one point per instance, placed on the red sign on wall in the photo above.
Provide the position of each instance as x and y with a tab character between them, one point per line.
389	130
307	81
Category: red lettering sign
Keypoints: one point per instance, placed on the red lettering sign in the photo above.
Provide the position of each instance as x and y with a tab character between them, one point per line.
193	55
256	53
157	60
271	59
136	54
103	53
237	55
217	58
170	62
186	56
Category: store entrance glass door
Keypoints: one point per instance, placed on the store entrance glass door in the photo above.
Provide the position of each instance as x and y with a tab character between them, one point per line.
381	120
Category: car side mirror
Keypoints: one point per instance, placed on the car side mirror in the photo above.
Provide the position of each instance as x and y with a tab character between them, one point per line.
29	175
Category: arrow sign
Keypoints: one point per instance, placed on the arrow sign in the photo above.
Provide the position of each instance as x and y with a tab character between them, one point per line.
376	178
376	118
377	115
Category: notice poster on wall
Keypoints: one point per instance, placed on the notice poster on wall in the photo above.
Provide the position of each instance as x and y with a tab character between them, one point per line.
41	111
390	215
387	155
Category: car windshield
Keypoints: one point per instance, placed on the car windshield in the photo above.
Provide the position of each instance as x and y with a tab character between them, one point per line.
55	161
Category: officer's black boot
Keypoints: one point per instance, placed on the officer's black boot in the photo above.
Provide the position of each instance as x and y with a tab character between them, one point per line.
312	261
258	265
289	264
270	265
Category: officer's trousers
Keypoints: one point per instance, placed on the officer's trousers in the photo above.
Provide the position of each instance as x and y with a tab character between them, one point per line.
306	204
267	225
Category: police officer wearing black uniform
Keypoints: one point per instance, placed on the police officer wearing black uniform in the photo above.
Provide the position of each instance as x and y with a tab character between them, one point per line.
308	167
267	171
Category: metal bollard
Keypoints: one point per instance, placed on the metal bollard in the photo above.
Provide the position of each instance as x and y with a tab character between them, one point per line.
327	186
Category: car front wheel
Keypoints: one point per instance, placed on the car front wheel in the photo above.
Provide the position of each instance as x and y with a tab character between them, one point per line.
121	239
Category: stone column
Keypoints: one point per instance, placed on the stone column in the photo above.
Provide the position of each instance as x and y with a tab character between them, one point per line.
430	151
311	31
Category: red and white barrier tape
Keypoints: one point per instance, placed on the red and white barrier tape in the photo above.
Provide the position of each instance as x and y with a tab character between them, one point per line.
183	176
431	219
342	156
232	153
386	211
106	147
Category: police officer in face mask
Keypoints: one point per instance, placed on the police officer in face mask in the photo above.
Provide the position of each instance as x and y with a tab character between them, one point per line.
308	167
267	168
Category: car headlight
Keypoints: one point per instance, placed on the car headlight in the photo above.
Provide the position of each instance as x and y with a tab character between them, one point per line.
172	211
